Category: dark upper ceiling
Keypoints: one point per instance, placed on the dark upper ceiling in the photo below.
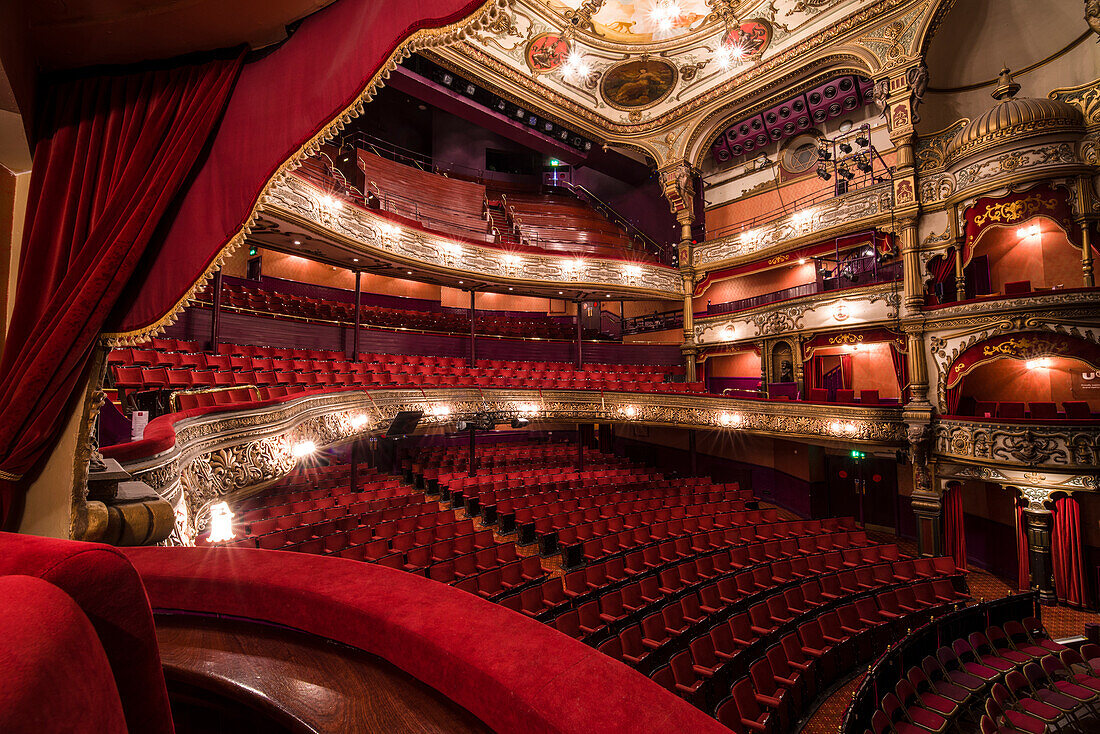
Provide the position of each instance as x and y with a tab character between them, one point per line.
65	34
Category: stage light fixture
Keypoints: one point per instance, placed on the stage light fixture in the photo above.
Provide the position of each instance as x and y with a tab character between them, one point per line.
862	141
823	173
846	148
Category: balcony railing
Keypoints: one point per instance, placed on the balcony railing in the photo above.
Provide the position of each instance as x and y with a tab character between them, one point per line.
653	322
861	274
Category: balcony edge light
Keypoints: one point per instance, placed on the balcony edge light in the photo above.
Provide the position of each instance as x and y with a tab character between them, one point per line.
221	523
303	449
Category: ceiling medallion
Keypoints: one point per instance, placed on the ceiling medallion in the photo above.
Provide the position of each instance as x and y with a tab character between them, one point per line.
638	83
546	52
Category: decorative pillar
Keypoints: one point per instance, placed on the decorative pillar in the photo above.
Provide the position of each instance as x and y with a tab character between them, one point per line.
928	507
215	316
912	282
678	186
918	368
1086	254
1085	204
358	317
960	276
473	345
1039	531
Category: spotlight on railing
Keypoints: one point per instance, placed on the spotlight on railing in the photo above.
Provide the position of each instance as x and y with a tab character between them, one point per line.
221	523
302	449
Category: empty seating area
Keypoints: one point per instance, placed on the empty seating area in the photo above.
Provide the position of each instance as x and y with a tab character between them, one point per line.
164	366
980	669
563	224
743	614
315	510
249	298
1070	410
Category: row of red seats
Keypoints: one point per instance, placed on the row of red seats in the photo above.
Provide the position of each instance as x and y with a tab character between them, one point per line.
1017	681
253	298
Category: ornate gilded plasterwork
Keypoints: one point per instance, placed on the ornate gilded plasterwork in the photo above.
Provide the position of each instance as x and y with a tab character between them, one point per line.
931	150
1016	166
803	38
297	200
218	455
858	209
1030	445
858	307
1087	99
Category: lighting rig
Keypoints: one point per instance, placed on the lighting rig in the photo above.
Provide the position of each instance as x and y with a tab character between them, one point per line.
851	158
488	420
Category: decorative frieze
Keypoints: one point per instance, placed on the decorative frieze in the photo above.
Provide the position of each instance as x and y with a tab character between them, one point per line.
1030	445
216	456
850	212
376	236
820	312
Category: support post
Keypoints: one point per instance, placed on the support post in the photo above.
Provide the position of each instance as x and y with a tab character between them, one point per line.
1086	254
215	317
358	317
960	276
473	345
580	446
928	507
354	465
1039	532
471	469
692	453
580	333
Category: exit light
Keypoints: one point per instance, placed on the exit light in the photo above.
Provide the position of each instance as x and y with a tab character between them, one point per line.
251	251
555	162
858	455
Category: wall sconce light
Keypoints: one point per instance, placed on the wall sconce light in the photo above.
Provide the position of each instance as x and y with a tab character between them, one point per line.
441	411
1041	363
1032	231
359	421
630	411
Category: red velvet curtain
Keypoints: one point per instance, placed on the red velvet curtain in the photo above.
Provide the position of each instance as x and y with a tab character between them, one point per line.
901	368
846	370
954	530
1023	580
1069	566
113	152
283	99
953	400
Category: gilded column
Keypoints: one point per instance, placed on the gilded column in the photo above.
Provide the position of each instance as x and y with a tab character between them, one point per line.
960	276
678	185
1039	531
1084	204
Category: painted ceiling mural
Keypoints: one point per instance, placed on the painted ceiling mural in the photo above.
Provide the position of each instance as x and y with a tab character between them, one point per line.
633	62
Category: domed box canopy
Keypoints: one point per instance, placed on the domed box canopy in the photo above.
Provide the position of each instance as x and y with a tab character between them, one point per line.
1011	120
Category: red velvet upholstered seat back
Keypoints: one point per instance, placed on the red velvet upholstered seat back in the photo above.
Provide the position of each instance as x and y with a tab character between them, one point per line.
109	592
40	694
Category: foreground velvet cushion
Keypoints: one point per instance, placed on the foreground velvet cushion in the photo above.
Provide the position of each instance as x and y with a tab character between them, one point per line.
109	592
56	675
513	673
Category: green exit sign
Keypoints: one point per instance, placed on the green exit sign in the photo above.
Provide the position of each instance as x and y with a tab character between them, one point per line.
858	455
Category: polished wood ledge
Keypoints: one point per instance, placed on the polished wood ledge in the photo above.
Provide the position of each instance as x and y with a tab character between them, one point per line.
298	682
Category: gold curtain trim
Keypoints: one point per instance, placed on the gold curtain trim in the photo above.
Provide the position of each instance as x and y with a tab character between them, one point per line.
9	477
424	38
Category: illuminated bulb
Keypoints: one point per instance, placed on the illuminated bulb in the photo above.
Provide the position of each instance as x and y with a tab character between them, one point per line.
834	427
801	261
303	448
511	260
359	421
1033	230
849	427
1037	364
221	523
328	201
633	271
729	54
576	67
441	410
630	411
727	334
